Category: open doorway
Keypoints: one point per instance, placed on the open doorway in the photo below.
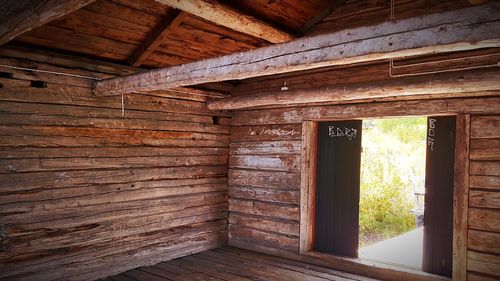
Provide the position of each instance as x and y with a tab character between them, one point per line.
375	210
392	190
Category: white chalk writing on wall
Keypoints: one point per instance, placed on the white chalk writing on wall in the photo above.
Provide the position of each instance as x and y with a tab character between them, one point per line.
350	133
272	132
431	132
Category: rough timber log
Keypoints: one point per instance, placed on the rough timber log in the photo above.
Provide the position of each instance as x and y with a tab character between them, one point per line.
157	36
465	29
437	84
22	16
226	16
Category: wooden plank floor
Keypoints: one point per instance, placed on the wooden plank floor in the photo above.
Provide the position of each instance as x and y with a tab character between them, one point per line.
233	264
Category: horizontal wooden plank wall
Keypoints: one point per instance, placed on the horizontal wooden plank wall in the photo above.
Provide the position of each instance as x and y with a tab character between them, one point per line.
483	257
86	192
264	174
264	180
264	165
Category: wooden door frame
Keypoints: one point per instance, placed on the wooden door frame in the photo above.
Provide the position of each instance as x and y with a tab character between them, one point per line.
375	269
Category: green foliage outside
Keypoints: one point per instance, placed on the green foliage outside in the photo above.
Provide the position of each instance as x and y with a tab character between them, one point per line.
392	166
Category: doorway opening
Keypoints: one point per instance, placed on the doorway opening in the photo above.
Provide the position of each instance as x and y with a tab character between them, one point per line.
392	190
372	197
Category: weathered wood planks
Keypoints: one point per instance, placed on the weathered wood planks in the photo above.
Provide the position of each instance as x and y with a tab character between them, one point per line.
460	197
361	13
467	29
86	192
27	15
484	198
294	115
260	216
156	37
435	85
335	76
234	264
115	29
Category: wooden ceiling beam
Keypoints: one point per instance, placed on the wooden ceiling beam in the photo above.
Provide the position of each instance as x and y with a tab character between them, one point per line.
224	15
21	16
157	36
459	30
436	84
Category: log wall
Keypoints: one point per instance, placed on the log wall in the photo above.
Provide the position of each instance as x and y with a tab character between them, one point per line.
483	256
265	176
86	192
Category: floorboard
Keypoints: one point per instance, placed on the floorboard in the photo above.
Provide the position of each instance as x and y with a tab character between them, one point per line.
233	264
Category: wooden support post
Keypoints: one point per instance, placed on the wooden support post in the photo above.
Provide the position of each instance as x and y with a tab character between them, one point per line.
461	198
307	185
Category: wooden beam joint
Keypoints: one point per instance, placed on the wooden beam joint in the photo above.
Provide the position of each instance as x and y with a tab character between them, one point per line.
229	17
157	36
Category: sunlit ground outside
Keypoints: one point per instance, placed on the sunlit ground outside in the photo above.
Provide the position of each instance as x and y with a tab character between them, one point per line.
392	190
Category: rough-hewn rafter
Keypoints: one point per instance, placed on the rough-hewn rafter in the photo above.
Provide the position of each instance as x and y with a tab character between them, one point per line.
465	29
156	37
224	15
23	15
328	10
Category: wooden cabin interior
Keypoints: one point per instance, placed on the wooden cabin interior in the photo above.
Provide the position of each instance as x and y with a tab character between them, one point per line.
186	139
